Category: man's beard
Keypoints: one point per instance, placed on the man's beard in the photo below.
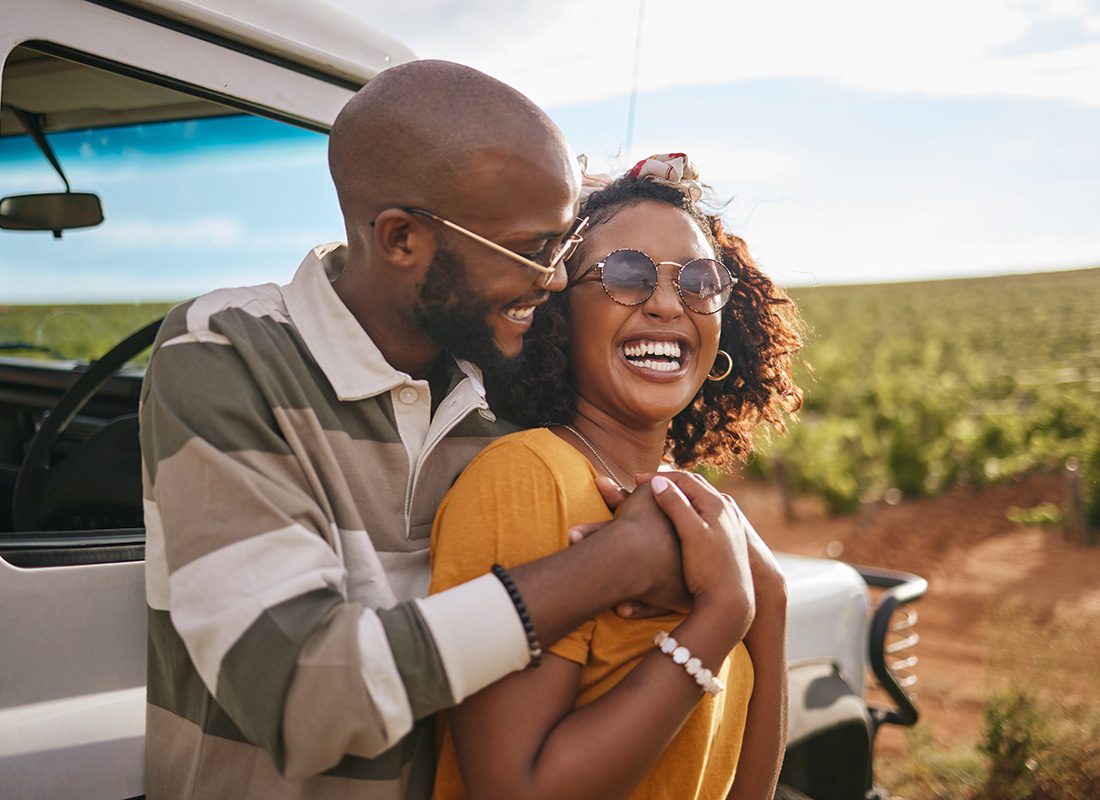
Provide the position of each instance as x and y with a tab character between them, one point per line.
456	316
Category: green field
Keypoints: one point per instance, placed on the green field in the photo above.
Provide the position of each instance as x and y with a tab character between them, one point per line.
912	388
81	332
918	387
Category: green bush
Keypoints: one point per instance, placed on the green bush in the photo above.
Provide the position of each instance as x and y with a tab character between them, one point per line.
1041	734
1090	487
1014	740
932	771
1039	751
924	386
1047	514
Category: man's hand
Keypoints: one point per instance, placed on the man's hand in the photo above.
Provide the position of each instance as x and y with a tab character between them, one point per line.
768	581
614	496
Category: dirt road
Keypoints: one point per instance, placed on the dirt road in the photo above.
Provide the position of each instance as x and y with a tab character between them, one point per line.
984	573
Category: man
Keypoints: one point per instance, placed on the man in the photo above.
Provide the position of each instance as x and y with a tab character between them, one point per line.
297	440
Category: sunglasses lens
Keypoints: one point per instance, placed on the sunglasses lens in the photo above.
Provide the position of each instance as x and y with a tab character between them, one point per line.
706	285
629	276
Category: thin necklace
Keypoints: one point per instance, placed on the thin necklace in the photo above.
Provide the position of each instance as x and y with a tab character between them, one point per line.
596	453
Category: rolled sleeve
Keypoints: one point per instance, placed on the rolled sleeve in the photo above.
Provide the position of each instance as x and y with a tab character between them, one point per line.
477	632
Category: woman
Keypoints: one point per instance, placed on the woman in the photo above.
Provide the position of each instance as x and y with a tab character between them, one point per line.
668	341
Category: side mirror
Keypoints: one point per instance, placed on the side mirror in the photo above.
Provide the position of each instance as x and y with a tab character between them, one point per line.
55	211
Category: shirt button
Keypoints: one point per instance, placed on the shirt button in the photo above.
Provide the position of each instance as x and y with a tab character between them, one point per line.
408	395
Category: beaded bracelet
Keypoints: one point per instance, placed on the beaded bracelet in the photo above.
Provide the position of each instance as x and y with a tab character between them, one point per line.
533	646
707	680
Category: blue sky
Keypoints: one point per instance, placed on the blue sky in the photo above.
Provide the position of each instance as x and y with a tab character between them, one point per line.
855	141
189	207
858	140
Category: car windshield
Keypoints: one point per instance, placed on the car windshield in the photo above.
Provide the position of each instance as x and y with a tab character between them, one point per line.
190	204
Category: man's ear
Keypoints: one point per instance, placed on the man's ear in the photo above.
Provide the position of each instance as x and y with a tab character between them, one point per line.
400	241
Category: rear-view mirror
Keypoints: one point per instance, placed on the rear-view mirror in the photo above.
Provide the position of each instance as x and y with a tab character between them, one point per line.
55	212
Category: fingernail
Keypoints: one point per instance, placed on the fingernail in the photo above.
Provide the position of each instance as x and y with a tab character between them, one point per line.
626	611
574	536
659	484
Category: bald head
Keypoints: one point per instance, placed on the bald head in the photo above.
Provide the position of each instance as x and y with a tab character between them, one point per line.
432	134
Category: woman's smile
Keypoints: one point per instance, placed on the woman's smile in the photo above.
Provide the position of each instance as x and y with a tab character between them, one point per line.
657	356
641	362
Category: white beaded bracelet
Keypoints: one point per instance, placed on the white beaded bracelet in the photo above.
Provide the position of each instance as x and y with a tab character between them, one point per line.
707	680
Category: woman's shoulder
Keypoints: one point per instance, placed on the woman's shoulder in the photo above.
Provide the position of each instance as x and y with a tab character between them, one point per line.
514	503
538	449
527	474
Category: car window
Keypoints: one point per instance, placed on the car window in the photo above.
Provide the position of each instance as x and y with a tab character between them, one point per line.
194	196
119	197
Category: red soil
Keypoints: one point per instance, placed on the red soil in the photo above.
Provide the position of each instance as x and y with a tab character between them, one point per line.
978	564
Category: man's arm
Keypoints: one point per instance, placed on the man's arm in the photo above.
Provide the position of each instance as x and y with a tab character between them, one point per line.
246	589
635	556
244	573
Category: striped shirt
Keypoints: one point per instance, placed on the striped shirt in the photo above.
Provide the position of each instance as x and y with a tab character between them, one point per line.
291	479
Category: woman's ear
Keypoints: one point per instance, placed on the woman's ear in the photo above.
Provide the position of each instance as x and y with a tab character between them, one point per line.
400	241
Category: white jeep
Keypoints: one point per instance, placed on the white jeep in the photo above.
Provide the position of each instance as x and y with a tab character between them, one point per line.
132	98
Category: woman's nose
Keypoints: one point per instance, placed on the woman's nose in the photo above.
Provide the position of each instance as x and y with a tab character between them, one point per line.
665	302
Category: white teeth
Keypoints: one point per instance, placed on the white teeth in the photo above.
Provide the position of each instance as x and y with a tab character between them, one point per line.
653	348
519	313
659	366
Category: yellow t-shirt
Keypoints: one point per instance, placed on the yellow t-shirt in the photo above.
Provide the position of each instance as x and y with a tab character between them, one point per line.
516	502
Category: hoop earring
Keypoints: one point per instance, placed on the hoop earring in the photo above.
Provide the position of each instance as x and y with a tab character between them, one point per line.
712	377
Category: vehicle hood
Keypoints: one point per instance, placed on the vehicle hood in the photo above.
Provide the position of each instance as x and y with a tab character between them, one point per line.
827	612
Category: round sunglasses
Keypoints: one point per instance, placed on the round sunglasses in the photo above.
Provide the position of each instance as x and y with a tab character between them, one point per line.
629	277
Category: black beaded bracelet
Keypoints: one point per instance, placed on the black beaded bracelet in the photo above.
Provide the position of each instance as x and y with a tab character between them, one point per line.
533	646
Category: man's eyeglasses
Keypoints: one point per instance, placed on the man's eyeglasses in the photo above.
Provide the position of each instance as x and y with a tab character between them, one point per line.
629	277
557	255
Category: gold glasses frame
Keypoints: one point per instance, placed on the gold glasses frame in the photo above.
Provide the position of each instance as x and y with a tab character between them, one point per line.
599	265
562	252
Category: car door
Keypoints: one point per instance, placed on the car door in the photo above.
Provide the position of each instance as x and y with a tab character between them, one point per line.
72	598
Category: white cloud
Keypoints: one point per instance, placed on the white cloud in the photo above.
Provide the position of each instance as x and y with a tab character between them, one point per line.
840	240
205	233
161	233
574	50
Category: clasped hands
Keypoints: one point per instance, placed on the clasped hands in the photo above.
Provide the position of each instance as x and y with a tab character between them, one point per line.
687	523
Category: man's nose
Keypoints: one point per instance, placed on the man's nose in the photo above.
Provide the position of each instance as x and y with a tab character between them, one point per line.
554	281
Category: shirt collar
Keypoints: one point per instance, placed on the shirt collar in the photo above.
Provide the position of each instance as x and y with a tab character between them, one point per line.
349	358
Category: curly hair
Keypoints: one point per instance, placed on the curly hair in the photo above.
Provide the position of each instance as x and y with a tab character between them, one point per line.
760	330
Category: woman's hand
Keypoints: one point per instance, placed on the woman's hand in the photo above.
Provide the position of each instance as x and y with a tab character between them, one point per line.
714	546
769	582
